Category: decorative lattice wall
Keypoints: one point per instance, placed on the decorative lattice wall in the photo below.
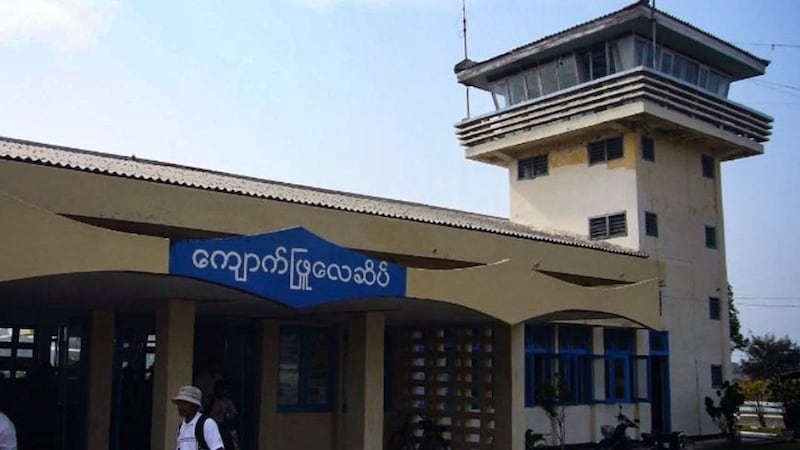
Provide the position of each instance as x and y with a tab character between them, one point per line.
446	374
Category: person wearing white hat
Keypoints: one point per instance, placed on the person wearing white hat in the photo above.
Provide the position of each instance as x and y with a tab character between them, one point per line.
8	435
195	431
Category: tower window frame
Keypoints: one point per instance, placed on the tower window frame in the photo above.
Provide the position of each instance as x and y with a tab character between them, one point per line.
714	310
707	164
711	237
650	224
533	167
716	376
608	226
605	150
648	149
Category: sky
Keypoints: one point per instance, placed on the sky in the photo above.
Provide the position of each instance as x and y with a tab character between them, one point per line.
360	96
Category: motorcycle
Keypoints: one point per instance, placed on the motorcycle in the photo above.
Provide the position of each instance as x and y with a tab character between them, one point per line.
616	437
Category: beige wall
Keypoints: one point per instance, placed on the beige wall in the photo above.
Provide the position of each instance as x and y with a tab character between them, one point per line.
673	186
84	194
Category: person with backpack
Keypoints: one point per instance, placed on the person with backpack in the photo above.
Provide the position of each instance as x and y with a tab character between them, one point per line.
196	431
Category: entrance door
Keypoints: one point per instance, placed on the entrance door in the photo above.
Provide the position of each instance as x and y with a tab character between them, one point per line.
228	346
132	397
43	380
659	382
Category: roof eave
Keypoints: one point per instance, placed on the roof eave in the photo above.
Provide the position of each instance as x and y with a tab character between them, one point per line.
746	65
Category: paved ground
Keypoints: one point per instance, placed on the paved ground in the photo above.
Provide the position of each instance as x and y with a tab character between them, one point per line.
750	438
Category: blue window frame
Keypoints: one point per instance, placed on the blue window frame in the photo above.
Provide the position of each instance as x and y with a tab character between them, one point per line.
575	362
540	360
619	366
306	369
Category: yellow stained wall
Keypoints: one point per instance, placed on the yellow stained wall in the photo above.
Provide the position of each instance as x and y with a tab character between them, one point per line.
574	191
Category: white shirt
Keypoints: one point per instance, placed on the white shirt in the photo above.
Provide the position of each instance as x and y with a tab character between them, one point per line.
8	434
186	439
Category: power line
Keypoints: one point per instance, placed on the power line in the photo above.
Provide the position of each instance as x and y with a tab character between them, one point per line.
767	44
736	297
772	83
781	90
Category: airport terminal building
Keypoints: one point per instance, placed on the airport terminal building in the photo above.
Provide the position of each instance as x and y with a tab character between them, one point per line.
332	314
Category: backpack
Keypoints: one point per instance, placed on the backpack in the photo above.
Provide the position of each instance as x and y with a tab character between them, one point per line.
198	431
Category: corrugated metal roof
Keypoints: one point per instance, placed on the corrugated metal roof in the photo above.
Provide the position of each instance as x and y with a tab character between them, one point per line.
630	7
131	167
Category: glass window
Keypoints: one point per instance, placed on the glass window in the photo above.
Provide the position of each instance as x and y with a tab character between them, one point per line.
540	360
305	369
289	369
26	335
648	149
666	62
532	83
650	224
6	334
567	72
702	79
707	166
659	343
549	77
615	59
575	362
716	376
599	62
516	87
677	66
690	71
619	345
500	94
713	82
713	308
711	237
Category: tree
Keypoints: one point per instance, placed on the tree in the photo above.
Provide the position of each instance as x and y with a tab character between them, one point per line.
724	415
738	341
553	398
767	357
757	392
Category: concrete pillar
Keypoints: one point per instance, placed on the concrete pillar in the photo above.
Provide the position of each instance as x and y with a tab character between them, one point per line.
173	367
101	362
599	384
364	423
509	385
268	387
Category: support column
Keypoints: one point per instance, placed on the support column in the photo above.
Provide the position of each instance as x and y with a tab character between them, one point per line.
364	423
173	367
101	364
268	387
509	386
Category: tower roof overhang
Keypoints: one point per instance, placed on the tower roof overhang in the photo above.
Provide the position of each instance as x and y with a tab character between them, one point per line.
636	19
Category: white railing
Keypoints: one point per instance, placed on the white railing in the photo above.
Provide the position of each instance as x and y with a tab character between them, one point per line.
636	85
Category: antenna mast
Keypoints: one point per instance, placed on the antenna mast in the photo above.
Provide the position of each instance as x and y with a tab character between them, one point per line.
464	33
653	19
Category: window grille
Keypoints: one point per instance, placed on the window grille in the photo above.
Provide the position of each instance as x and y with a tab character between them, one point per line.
533	167
605	150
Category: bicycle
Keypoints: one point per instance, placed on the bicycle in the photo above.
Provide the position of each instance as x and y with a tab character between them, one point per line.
405	439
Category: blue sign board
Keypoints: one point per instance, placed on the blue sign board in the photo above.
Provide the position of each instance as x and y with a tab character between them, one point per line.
294	267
